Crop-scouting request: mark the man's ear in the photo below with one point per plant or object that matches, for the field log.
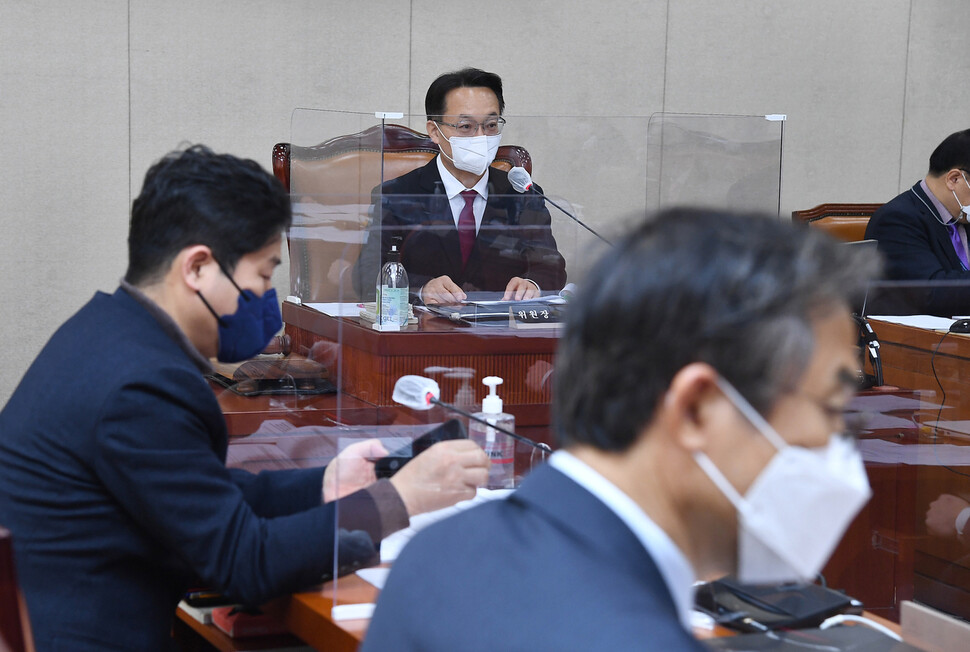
(434, 133)
(691, 405)
(195, 265)
(953, 178)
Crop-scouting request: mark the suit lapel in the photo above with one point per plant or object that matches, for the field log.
(941, 232)
(444, 221)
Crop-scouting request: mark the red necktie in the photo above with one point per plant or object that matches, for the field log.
(466, 226)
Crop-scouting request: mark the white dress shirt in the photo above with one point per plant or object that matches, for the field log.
(454, 188)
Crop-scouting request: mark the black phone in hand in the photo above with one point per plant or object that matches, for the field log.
(392, 463)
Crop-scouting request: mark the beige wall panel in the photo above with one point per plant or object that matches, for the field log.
(937, 83)
(64, 130)
(835, 68)
(229, 73)
(555, 57)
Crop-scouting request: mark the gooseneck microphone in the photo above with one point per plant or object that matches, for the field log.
(521, 180)
(420, 393)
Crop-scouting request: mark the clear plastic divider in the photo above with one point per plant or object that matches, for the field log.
(913, 423)
(366, 192)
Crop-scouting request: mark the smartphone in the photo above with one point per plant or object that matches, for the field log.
(392, 463)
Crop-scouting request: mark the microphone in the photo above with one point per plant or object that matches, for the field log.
(420, 393)
(521, 180)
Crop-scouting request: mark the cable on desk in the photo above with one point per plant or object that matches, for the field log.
(939, 412)
(842, 618)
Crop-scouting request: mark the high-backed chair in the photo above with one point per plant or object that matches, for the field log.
(843, 221)
(344, 170)
(14, 625)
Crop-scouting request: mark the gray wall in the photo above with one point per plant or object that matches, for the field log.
(92, 92)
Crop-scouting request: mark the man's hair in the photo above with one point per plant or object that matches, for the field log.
(738, 292)
(194, 197)
(953, 152)
(434, 101)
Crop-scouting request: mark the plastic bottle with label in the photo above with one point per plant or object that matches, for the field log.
(392, 294)
(499, 447)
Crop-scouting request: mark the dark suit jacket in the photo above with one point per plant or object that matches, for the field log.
(550, 568)
(917, 247)
(113, 483)
(515, 237)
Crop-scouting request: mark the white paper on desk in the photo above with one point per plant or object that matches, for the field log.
(881, 421)
(880, 451)
(551, 299)
(918, 321)
(375, 576)
(336, 309)
(392, 546)
(874, 403)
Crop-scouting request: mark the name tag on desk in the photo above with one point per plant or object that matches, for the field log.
(536, 315)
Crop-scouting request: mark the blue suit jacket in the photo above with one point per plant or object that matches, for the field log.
(515, 237)
(550, 568)
(917, 247)
(113, 483)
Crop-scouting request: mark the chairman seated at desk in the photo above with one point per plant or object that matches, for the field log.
(459, 225)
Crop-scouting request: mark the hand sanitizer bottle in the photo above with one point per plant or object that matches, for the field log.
(499, 447)
(392, 295)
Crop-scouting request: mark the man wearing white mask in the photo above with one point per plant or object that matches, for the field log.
(923, 231)
(459, 225)
(698, 396)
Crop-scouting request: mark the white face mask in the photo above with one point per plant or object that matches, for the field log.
(965, 217)
(799, 506)
(472, 153)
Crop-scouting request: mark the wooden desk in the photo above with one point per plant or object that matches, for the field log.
(371, 361)
(887, 555)
(308, 616)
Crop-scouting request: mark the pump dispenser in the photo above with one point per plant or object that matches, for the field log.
(499, 447)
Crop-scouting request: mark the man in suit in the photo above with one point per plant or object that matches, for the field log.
(457, 223)
(112, 448)
(923, 232)
(704, 365)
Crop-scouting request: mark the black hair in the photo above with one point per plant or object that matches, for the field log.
(195, 196)
(434, 101)
(737, 291)
(953, 152)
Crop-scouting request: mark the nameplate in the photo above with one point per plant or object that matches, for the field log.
(535, 315)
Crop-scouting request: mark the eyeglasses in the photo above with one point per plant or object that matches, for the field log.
(850, 424)
(491, 126)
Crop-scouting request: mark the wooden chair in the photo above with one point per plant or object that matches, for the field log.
(843, 221)
(344, 170)
(15, 633)
(335, 166)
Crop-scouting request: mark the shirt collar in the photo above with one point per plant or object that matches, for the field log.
(673, 565)
(453, 186)
(937, 204)
(169, 326)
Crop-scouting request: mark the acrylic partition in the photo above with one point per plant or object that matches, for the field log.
(366, 548)
(351, 207)
(913, 420)
(596, 173)
(728, 162)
